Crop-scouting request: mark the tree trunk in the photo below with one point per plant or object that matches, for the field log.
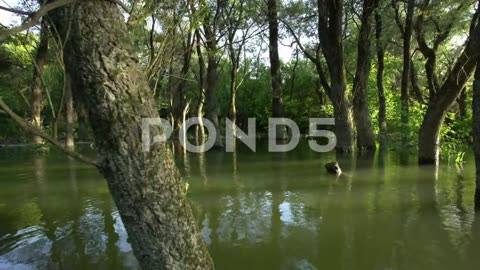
(382, 101)
(330, 33)
(429, 136)
(145, 186)
(211, 104)
(40, 61)
(407, 38)
(200, 131)
(365, 137)
(476, 132)
(342, 114)
(277, 110)
(82, 120)
(233, 92)
(179, 97)
(462, 104)
(69, 141)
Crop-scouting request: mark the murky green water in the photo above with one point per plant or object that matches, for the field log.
(256, 211)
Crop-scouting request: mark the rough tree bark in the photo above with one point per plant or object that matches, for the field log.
(476, 132)
(363, 122)
(145, 186)
(445, 96)
(382, 106)
(277, 103)
(38, 67)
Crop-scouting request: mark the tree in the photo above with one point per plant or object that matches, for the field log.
(38, 67)
(382, 107)
(406, 29)
(277, 110)
(145, 186)
(200, 131)
(329, 39)
(446, 95)
(69, 140)
(238, 32)
(476, 131)
(361, 113)
(211, 29)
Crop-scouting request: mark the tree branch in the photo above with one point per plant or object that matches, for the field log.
(17, 11)
(32, 130)
(34, 18)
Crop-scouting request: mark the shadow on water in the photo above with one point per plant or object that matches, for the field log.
(255, 211)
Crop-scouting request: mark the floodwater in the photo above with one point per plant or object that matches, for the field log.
(255, 210)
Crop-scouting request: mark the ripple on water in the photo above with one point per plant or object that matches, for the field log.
(29, 248)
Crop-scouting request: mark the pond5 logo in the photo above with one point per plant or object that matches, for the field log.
(277, 127)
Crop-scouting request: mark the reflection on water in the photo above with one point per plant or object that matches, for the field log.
(255, 211)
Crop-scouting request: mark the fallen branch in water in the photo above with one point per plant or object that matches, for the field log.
(35, 131)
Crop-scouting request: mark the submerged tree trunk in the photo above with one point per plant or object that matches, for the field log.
(382, 101)
(365, 137)
(69, 140)
(145, 186)
(38, 66)
(476, 132)
(277, 110)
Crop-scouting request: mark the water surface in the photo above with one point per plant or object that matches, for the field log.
(255, 211)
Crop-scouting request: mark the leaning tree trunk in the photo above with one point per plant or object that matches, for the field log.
(145, 186)
(365, 137)
(429, 136)
(38, 67)
(476, 131)
(277, 110)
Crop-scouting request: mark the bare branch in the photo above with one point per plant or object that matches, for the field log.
(34, 18)
(17, 11)
(32, 130)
